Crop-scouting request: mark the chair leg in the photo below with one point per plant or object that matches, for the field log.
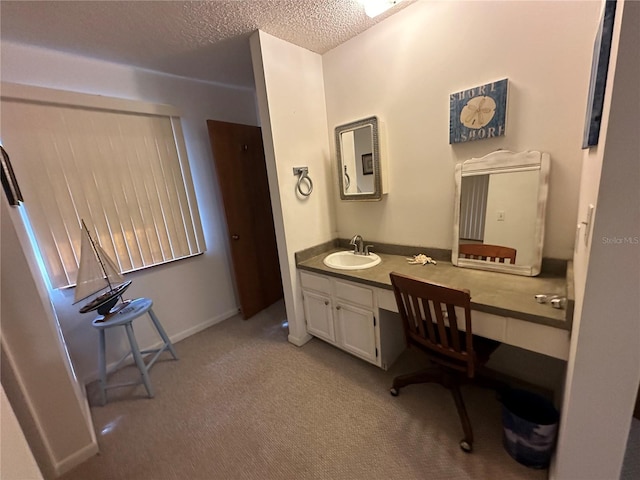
(467, 442)
(138, 358)
(432, 375)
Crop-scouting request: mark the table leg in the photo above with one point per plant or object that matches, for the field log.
(102, 368)
(162, 333)
(138, 358)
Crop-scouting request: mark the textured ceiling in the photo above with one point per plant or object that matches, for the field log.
(207, 40)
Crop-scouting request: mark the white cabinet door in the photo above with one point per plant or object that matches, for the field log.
(356, 331)
(317, 311)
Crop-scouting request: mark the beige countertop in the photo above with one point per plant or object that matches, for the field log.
(491, 292)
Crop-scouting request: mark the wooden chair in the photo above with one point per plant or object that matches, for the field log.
(429, 318)
(490, 253)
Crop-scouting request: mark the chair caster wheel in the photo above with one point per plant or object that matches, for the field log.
(394, 391)
(466, 446)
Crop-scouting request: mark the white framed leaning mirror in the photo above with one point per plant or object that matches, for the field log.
(499, 214)
(358, 159)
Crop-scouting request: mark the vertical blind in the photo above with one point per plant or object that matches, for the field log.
(473, 206)
(119, 165)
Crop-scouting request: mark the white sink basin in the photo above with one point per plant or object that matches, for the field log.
(348, 260)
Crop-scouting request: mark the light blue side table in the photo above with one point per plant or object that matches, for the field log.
(124, 318)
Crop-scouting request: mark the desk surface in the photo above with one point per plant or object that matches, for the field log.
(492, 292)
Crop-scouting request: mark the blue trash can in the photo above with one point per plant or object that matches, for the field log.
(530, 426)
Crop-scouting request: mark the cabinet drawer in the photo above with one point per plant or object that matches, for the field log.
(314, 282)
(354, 294)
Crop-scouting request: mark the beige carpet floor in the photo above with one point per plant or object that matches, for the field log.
(243, 403)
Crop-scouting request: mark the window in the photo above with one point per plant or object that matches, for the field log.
(120, 165)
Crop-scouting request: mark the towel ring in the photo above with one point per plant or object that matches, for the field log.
(347, 179)
(303, 174)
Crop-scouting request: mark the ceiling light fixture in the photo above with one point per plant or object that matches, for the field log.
(374, 8)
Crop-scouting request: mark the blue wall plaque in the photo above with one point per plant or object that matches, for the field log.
(478, 113)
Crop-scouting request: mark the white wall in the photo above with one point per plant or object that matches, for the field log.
(16, 460)
(189, 294)
(36, 373)
(604, 363)
(291, 101)
(405, 68)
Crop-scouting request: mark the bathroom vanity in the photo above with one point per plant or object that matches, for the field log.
(356, 310)
(500, 206)
(346, 314)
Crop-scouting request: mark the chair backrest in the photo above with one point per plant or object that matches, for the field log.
(430, 322)
(490, 253)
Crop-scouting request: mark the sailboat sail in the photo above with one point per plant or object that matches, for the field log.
(110, 267)
(91, 275)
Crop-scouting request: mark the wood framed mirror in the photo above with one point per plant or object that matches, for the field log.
(500, 211)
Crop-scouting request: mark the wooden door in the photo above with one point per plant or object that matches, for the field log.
(242, 175)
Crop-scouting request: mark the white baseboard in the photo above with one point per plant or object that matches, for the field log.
(76, 458)
(299, 341)
(198, 328)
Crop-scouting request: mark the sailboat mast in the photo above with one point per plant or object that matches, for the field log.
(95, 250)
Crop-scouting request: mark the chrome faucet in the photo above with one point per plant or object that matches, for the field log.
(357, 242)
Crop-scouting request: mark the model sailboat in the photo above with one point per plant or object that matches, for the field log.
(97, 271)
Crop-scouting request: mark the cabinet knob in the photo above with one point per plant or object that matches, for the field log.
(235, 237)
(338, 307)
(326, 302)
